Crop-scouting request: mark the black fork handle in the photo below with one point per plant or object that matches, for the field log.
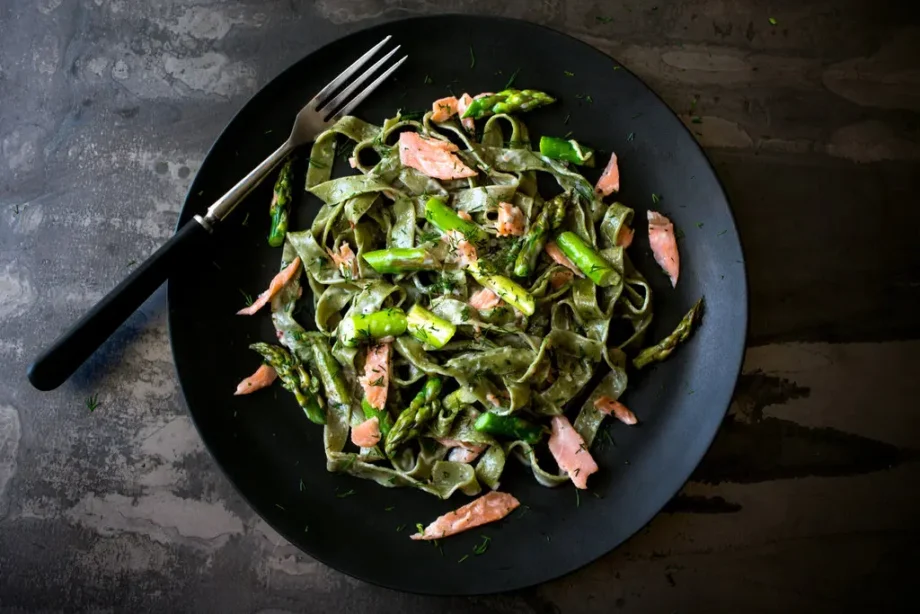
(60, 360)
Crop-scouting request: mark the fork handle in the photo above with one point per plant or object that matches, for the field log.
(71, 349)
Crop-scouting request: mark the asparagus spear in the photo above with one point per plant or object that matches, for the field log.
(568, 150)
(429, 328)
(507, 290)
(401, 260)
(360, 327)
(663, 348)
(410, 422)
(535, 238)
(294, 377)
(329, 371)
(511, 427)
(446, 219)
(281, 204)
(507, 101)
(587, 260)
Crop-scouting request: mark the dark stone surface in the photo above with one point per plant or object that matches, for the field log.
(107, 108)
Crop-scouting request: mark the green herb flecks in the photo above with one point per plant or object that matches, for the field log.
(92, 402)
(428, 80)
(482, 547)
(347, 493)
(247, 297)
(463, 558)
(472, 58)
(630, 137)
(655, 199)
(696, 119)
(568, 73)
(603, 19)
(511, 80)
(773, 21)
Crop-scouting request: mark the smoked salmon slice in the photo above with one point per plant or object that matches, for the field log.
(510, 220)
(366, 434)
(485, 299)
(465, 101)
(559, 278)
(443, 109)
(434, 158)
(570, 452)
(609, 181)
(278, 282)
(554, 252)
(664, 244)
(262, 378)
(376, 378)
(487, 508)
(461, 251)
(616, 409)
(346, 261)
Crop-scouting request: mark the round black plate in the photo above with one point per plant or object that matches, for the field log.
(274, 455)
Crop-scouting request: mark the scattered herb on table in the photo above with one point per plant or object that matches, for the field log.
(92, 402)
(603, 19)
(696, 119)
(630, 137)
(428, 80)
(655, 198)
(773, 21)
(568, 73)
(481, 548)
(347, 493)
(472, 58)
(511, 80)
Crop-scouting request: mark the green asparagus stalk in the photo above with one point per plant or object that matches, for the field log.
(384, 419)
(446, 219)
(410, 422)
(536, 236)
(401, 260)
(330, 372)
(568, 150)
(507, 290)
(587, 260)
(507, 101)
(511, 427)
(663, 348)
(429, 328)
(281, 205)
(365, 327)
(294, 378)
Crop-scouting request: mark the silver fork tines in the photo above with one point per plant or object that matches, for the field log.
(311, 120)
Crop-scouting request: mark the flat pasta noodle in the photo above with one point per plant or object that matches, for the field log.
(489, 377)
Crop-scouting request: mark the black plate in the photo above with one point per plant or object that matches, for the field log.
(274, 456)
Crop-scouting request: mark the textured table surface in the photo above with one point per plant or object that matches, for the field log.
(808, 500)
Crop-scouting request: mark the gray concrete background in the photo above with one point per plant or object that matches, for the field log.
(808, 499)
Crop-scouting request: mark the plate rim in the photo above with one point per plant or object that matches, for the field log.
(738, 351)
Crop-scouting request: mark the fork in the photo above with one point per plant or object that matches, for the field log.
(62, 358)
